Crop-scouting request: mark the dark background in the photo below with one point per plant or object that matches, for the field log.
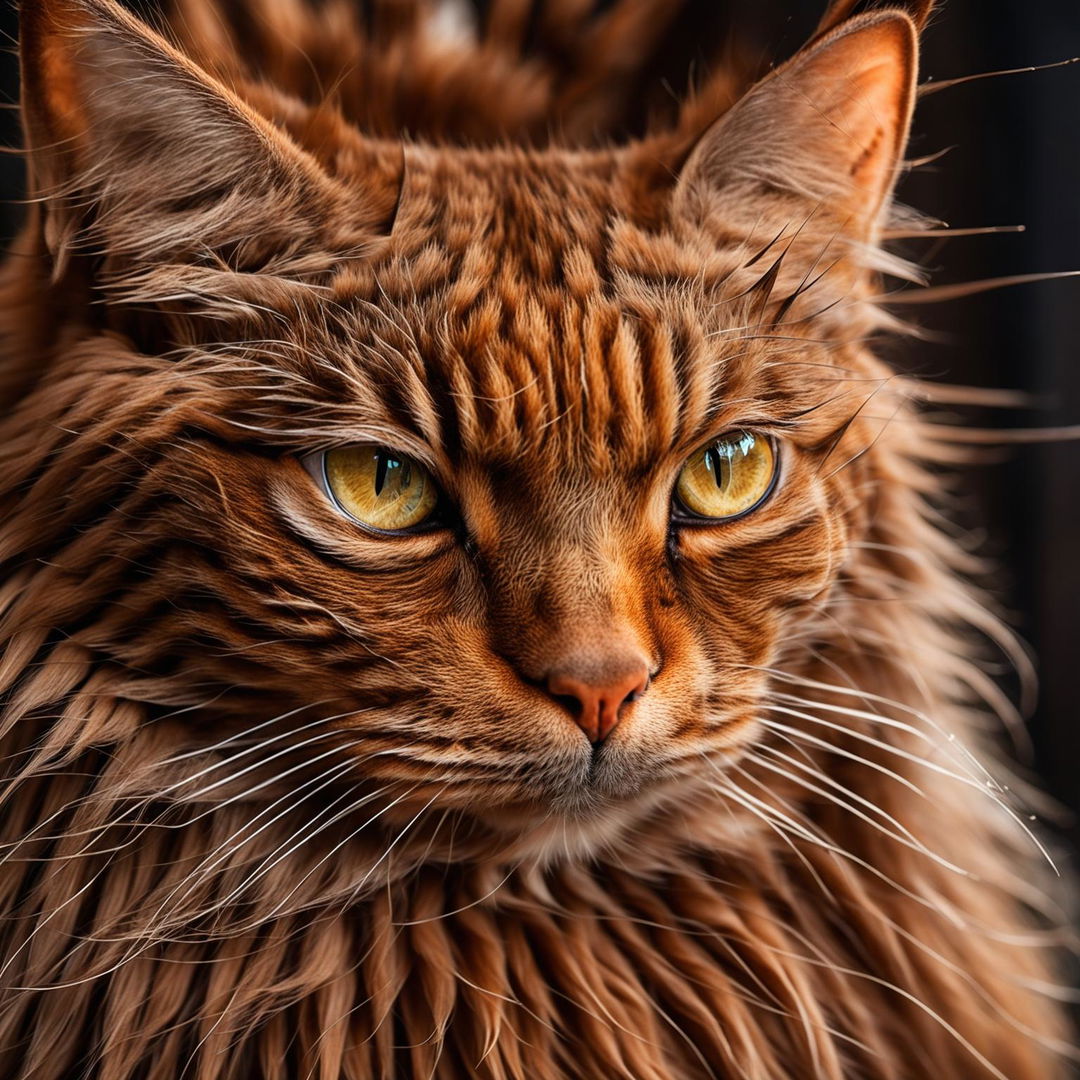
(1015, 159)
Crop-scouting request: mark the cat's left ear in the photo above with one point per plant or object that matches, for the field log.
(824, 133)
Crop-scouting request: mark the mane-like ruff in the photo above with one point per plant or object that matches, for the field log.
(190, 892)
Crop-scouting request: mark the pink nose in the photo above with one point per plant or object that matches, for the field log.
(599, 691)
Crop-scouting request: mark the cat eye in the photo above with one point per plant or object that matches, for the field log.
(728, 477)
(379, 487)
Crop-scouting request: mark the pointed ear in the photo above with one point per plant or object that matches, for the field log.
(141, 156)
(829, 128)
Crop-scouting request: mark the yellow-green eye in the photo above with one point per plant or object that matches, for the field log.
(380, 487)
(728, 477)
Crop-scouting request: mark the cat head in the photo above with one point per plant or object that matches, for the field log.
(510, 474)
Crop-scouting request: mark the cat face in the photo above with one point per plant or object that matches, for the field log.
(554, 428)
(549, 356)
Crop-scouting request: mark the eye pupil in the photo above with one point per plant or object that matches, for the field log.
(719, 464)
(397, 470)
(382, 462)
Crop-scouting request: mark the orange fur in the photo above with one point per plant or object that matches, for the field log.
(284, 798)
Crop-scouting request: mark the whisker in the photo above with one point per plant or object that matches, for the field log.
(899, 832)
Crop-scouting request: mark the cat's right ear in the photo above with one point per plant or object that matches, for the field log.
(139, 156)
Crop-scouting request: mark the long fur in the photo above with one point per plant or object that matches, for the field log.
(277, 801)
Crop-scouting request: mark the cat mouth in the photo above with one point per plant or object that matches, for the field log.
(607, 775)
(596, 759)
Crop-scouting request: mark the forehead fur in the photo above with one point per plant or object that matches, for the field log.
(523, 300)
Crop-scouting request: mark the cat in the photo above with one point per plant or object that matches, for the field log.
(474, 604)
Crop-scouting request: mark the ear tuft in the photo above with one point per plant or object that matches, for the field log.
(829, 128)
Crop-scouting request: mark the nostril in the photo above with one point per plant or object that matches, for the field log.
(570, 702)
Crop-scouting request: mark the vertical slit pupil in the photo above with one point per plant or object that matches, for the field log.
(385, 463)
(720, 465)
(382, 462)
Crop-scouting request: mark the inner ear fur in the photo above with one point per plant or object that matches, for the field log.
(138, 153)
(829, 128)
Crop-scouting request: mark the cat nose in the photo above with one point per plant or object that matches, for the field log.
(599, 690)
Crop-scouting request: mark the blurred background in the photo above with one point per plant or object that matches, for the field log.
(1013, 159)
